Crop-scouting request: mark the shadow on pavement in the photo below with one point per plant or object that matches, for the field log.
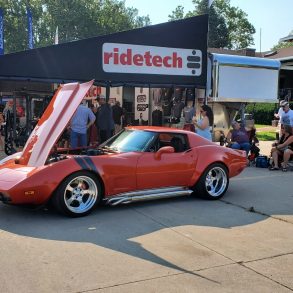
(115, 227)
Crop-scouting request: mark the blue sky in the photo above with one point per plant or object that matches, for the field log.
(274, 18)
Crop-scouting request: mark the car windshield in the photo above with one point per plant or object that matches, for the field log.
(130, 141)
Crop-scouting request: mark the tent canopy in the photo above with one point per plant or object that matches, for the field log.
(167, 54)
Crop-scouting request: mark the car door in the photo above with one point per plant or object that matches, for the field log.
(171, 169)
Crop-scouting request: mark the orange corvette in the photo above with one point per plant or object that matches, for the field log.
(139, 163)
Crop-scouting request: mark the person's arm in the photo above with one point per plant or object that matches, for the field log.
(203, 125)
(287, 142)
(229, 138)
(92, 119)
(291, 118)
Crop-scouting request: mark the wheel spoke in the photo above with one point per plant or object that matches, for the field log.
(81, 194)
(69, 188)
(70, 200)
(216, 181)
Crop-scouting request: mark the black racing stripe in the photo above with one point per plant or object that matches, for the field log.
(90, 163)
(81, 163)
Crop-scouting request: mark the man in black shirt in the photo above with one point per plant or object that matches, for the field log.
(117, 116)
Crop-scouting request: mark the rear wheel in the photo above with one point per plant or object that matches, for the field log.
(213, 183)
(78, 194)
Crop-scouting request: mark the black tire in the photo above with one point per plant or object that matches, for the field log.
(78, 194)
(213, 183)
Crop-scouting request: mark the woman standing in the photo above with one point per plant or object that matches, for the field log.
(202, 126)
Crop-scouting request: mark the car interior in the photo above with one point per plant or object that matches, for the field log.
(177, 141)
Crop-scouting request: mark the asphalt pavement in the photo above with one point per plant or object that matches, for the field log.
(242, 243)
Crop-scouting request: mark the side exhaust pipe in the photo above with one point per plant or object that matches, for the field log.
(146, 195)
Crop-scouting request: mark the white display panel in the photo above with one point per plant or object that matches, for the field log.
(247, 84)
(141, 103)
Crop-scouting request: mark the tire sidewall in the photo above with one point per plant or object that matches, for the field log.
(58, 197)
(200, 188)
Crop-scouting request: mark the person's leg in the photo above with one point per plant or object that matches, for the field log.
(246, 147)
(235, 146)
(117, 128)
(103, 135)
(73, 139)
(286, 157)
(1, 144)
(109, 133)
(275, 155)
(82, 139)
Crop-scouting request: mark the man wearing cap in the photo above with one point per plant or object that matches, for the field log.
(238, 137)
(80, 122)
(279, 117)
(287, 115)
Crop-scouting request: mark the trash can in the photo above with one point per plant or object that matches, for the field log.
(275, 123)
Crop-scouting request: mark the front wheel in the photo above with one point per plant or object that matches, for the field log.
(213, 183)
(78, 194)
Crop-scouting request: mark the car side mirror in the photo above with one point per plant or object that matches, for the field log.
(164, 150)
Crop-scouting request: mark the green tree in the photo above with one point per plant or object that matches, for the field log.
(75, 19)
(281, 44)
(228, 25)
(178, 13)
(240, 29)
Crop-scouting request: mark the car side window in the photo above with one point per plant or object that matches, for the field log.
(155, 146)
(177, 141)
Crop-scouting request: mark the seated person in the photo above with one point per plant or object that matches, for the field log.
(238, 138)
(177, 144)
(283, 149)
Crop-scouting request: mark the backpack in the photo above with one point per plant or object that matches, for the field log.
(262, 162)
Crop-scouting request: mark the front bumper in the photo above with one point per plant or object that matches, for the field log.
(4, 198)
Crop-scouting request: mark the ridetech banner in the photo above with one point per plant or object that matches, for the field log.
(172, 54)
(1, 32)
(30, 29)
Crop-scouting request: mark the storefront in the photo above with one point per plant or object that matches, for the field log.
(159, 68)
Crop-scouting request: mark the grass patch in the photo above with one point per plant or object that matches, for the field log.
(266, 136)
(261, 125)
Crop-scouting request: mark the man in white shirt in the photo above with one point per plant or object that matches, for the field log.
(287, 116)
(279, 117)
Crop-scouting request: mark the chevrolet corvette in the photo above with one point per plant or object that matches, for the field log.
(137, 164)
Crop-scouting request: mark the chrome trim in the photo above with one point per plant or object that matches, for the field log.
(80, 194)
(215, 90)
(235, 60)
(216, 181)
(148, 194)
(245, 100)
(287, 67)
(249, 66)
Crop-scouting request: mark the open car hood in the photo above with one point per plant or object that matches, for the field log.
(52, 123)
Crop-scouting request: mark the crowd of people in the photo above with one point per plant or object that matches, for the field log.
(282, 150)
(93, 125)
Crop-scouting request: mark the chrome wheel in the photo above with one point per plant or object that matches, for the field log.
(80, 194)
(216, 181)
(213, 183)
